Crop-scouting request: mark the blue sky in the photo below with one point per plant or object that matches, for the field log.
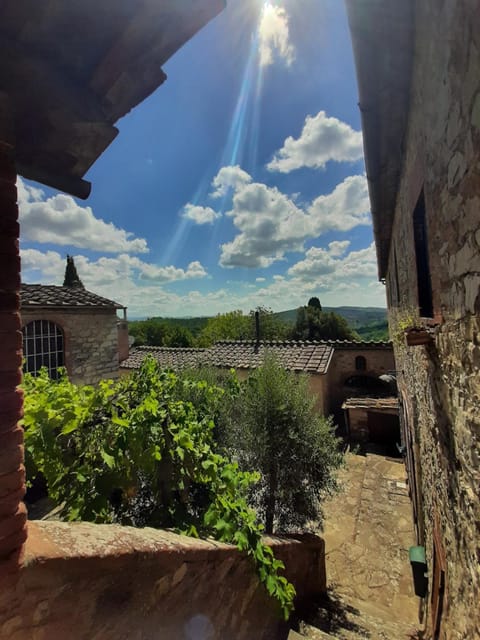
(240, 182)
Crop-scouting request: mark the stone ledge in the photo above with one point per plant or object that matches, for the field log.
(82, 580)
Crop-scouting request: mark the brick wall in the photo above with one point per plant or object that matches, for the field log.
(91, 342)
(441, 382)
(13, 514)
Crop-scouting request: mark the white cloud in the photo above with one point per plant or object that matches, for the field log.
(170, 274)
(269, 224)
(60, 220)
(260, 279)
(338, 247)
(346, 207)
(231, 177)
(322, 139)
(274, 37)
(319, 262)
(200, 215)
(117, 272)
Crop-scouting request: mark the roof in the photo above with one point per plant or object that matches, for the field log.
(55, 297)
(382, 38)
(359, 345)
(308, 357)
(372, 404)
(70, 70)
(168, 357)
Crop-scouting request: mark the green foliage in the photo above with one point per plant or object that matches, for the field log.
(136, 451)
(314, 302)
(159, 333)
(314, 324)
(279, 432)
(377, 331)
(233, 325)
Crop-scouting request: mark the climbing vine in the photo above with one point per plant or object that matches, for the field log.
(135, 451)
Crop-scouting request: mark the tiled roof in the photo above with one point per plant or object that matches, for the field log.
(360, 344)
(371, 403)
(168, 357)
(51, 296)
(310, 357)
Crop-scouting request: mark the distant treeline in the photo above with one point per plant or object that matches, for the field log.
(309, 322)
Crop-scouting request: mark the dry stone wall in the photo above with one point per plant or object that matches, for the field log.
(442, 380)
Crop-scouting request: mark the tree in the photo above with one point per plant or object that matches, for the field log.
(233, 325)
(271, 327)
(278, 431)
(314, 324)
(315, 302)
(72, 278)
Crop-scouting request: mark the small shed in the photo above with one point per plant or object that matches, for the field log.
(373, 420)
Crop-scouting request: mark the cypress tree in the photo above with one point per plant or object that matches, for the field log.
(71, 278)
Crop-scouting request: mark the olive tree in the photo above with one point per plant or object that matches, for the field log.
(278, 431)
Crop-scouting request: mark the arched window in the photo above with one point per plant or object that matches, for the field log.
(360, 363)
(43, 347)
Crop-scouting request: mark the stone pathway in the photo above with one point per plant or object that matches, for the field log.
(368, 531)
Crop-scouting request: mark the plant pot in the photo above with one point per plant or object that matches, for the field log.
(415, 337)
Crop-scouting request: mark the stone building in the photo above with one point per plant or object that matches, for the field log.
(418, 67)
(72, 328)
(337, 369)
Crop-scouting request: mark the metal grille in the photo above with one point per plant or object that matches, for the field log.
(43, 347)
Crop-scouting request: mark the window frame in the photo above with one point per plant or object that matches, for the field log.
(43, 346)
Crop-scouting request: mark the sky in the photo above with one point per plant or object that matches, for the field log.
(239, 183)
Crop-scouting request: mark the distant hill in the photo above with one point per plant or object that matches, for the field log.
(369, 322)
(355, 316)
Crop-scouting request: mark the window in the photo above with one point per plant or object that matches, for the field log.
(360, 363)
(43, 347)
(421, 253)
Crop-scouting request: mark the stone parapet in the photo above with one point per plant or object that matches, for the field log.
(83, 580)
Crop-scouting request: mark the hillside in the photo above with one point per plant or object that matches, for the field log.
(369, 322)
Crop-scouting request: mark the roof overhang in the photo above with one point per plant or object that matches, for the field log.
(70, 70)
(382, 38)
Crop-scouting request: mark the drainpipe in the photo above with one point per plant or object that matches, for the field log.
(13, 514)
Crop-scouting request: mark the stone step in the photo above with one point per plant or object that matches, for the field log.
(350, 619)
(321, 635)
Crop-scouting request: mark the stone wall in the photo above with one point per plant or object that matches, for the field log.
(106, 582)
(441, 382)
(90, 339)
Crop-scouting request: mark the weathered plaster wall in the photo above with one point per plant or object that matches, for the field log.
(442, 381)
(105, 582)
(342, 366)
(91, 342)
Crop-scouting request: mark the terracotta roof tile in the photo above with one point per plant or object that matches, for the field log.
(295, 356)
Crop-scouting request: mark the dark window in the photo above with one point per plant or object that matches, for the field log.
(360, 363)
(421, 253)
(43, 347)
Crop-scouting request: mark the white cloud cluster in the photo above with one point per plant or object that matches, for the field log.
(322, 140)
(61, 220)
(321, 262)
(274, 36)
(269, 224)
(200, 215)
(230, 177)
(118, 272)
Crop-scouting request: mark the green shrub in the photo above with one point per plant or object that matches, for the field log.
(131, 451)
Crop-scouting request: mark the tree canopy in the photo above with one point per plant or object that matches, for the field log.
(71, 278)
